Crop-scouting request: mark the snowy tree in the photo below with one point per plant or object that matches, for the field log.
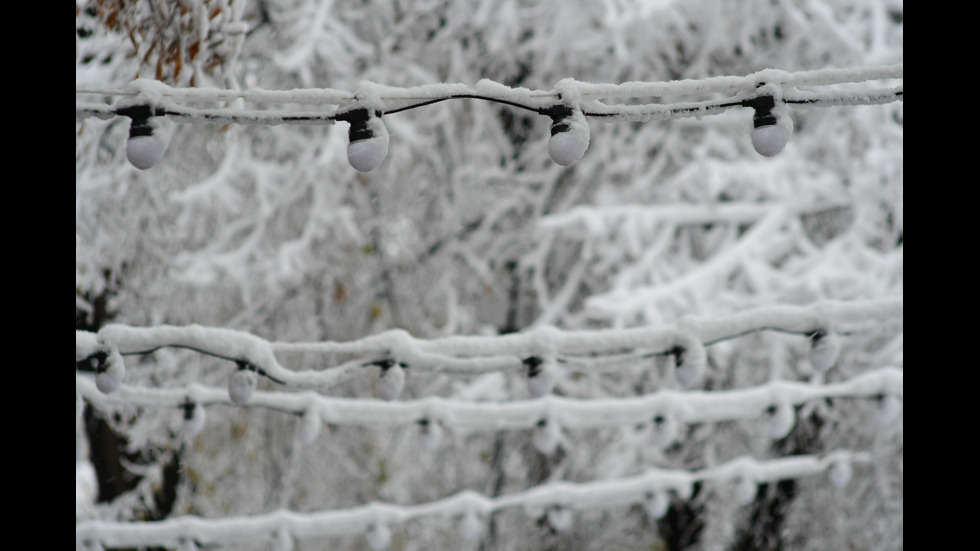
(673, 342)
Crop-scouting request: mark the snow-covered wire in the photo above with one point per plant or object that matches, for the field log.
(575, 496)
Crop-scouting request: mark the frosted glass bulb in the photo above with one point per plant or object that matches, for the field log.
(781, 419)
(391, 381)
(888, 409)
(470, 527)
(824, 349)
(769, 140)
(145, 152)
(664, 431)
(560, 519)
(309, 427)
(690, 363)
(379, 537)
(546, 436)
(745, 490)
(840, 473)
(540, 376)
(242, 385)
(658, 502)
(569, 138)
(368, 144)
(111, 372)
(430, 434)
(194, 419)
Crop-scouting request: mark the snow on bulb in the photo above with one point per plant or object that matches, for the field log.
(745, 490)
(657, 504)
(430, 434)
(824, 349)
(379, 537)
(368, 145)
(540, 376)
(242, 385)
(148, 140)
(194, 419)
(391, 381)
(546, 436)
(664, 431)
(570, 137)
(111, 372)
(560, 519)
(470, 526)
(840, 473)
(780, 419)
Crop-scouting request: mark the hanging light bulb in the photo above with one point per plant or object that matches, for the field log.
(664, 431)
(657, 503)
(546, 436)
(194, 418)
(430, 434)
(689, 363)
(470, 526)
(379, 536)
(745, 490)
(824, 349)
(282, 541)
(560, 518)
(148, 137)
(569, 135)
(540, 375)
(780, 419)
(771, 126)
(243, 383)
(840, 473)
(309, 426)
(391, 380)
(889, 408)
(110, 370)
(368, 137)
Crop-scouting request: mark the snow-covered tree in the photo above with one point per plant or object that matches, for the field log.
(673, 343)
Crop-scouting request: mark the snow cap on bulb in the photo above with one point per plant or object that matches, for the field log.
(772, 125)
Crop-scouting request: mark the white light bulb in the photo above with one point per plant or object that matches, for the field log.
(745, 490)
(379, 537)
(546, 436)
(470, 526)
(664, 432)
(194, 419)
(309, 427)
(657, 504)
(282, 541)
(148, 140)
(560, 518)
(780, 420)
(570, 137)
(242, 385)
(540, 376)
(840, 473)
(368, 146)
(391, 381)
(769, 140)
(690, 363)
(824, 350)
(889, 408)
(430, 434)
(111, 372)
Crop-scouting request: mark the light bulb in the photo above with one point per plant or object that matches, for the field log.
(689, 364)
(560, 518)
(470, 526)
(242, 385)
(379, 536)
(309, 427)
(194, 418)
(569, 136)
(546, 436)
(540, 376)
(888, 409)
(840, 473)
(824, 349)
(430, 434)
(391, 380)
(657, 504)
(148, 139)
(110, 372)
(772, 126)
(664, 431)
(780, 419)
(368, 137)
(745, 490)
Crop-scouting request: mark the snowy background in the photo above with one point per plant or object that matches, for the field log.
(469, 251)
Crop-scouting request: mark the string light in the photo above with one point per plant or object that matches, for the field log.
(657, 503)
(110, 370)
(368, 139)
(540, 375)
(378, 536)
(148, 137)
(194, 418)
(391, 380)
(824, 349)
(242, 384)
